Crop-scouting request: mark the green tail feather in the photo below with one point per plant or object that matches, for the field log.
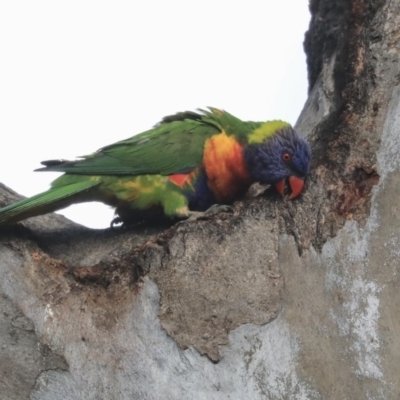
(52, 200)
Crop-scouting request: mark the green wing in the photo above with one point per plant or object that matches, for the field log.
(175, 145)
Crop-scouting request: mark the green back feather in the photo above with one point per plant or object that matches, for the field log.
(168, 148)
(175, 145)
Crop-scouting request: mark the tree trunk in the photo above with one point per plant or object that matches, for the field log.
(279, 300)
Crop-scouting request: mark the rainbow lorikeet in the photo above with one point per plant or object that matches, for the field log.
(185, 164)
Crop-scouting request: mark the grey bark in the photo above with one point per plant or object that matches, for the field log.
(279, 300)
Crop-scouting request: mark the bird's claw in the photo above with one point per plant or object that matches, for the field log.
(218, 208)
(203, 215)
(116, 221)
(124, 224)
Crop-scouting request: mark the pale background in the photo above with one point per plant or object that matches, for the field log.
(78, 75)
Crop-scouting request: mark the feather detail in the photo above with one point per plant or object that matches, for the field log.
(180, 179)
(225, 167)
(266, 130)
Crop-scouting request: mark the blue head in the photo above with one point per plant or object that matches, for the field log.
(281, 156)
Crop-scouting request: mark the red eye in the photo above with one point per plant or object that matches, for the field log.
(286, 157)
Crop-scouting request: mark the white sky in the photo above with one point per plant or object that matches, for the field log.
(78, 75)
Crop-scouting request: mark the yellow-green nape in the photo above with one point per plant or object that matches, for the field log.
(265, 130)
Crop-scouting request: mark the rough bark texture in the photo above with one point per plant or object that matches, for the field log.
(279, 300)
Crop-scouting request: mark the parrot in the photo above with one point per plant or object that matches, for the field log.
(185, 164)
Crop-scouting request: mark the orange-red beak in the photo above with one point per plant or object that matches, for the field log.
(296, 186)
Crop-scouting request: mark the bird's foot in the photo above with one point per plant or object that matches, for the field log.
(218, 208)
(125, 224)
(189, 216)
(116, 221)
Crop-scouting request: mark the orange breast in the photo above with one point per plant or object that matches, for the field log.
(225, 168)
